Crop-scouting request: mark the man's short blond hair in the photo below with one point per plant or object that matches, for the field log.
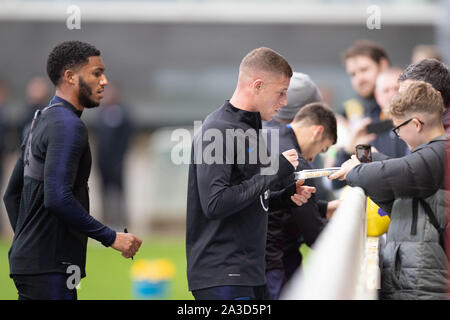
(418, 97)
(266, 60)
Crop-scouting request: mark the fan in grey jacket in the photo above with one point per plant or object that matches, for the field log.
(414, 259)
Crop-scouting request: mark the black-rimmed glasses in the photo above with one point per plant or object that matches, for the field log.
(397, 128)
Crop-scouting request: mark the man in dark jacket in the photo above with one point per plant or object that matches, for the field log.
(289, 226)
(229, 186)
(312, 131)
(412, 191)
(47, 197)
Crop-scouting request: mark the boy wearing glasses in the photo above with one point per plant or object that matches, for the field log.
(433, 72)
(412, 190)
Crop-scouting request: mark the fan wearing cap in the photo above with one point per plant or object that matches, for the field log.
(308, 126)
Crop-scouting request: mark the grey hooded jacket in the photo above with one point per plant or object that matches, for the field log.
(414, 262)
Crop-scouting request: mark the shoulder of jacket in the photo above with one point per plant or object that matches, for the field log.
(437, 145)
(222, 124)
(64, 119)
(62, 114)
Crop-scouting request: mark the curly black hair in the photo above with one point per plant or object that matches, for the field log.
(68, 55)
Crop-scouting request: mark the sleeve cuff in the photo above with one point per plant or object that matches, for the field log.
(352, 176)
(110, 238)
(285, 168)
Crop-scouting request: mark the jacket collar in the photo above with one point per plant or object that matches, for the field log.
(66, 104)
(285, 131)
(443, 137)
(251, 118)
(293, 137)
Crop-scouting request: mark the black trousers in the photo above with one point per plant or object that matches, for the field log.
(230, 293)
(49, 286)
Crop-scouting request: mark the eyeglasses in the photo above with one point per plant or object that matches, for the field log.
(397, 128)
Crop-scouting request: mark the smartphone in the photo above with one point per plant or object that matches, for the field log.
(379, 126)
(364, 153)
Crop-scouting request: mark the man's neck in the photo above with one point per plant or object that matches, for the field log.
(430, 135)
(240, 101)
(300, 133)
(69, 97)
(435, 132)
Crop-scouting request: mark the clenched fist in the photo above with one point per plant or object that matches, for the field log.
(126, 243)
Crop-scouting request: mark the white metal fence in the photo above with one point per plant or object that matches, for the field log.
(343, 263)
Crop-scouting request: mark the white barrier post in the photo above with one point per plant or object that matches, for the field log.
(336, 266)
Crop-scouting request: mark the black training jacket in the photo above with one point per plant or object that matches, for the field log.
(227, 203)
(47, 196)
(289, 225)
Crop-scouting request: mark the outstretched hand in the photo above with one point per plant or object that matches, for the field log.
(345, 169)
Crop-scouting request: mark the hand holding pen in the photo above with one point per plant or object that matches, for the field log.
(127, 243)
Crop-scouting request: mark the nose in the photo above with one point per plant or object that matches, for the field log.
(104, 81)
(359, 80)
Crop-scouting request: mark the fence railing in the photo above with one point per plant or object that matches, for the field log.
(343, 263)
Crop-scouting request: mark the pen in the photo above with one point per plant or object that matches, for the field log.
(126, 231)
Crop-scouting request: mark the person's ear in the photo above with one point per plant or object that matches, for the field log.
(418, 125)
(257, 85)
(318, 132)
(70, 77)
